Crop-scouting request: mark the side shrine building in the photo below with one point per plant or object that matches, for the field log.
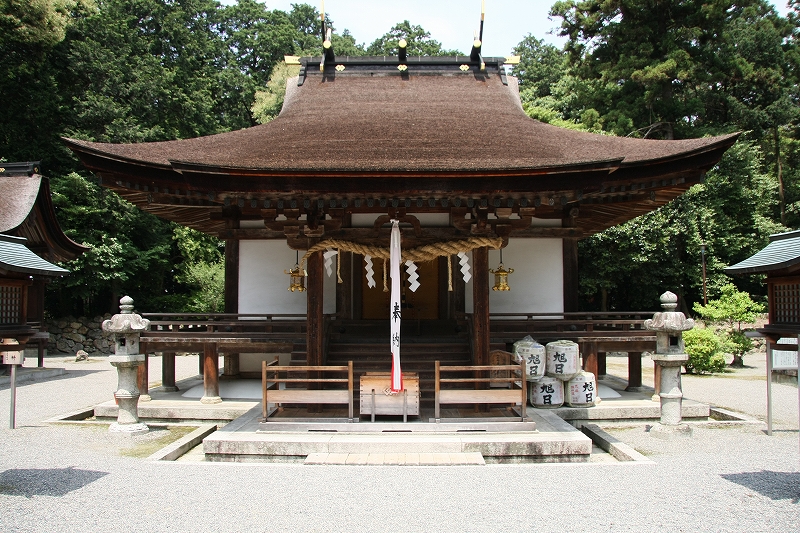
(440, 144)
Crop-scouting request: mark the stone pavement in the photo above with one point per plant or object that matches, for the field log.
(78, 477)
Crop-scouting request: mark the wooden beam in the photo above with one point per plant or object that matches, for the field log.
(372, 237)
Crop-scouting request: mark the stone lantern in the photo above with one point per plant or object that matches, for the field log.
(126, 328)
(670, 356)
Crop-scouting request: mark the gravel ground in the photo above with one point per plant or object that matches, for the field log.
(81, 478)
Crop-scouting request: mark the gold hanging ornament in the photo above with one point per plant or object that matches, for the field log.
(501, 276)
(297, 281)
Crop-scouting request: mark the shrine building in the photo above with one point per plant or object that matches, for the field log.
(441, 144)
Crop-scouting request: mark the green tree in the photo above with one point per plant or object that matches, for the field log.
(306, 20)
(419, 42)
(268, 103)
(129, 252)
(675, 68)
(146, 71)
(30, 31)
(201, 268)
(704, 350)
(731, 310)
(256, 40)
(541, 66)
(628, 266)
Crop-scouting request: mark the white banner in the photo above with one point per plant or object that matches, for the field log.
(396, 311)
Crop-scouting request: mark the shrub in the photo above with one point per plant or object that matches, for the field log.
(731, 310)
(705, 351)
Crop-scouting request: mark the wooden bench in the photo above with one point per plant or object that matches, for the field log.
(272, 393)
(515, 375)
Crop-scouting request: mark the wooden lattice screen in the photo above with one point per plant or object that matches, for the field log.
(785, 303)
(11, 304)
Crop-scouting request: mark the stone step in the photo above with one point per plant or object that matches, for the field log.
(399, 459)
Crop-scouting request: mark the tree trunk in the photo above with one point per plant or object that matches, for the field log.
(779, 173)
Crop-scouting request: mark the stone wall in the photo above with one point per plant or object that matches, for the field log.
(70, 334)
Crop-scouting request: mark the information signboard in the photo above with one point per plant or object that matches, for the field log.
(785, 359)
(13, 358)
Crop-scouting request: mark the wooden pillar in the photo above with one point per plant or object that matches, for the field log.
(230, 365)
(344, 290)
(314, 318)
(142, 378)
(231, 368)
(570, 252)
(458, 296)
(358, 290)
(210, 374)
(634, 371)
(480, 305)
(168, 372)
(590, 359)
(232, 269)
(601, 364)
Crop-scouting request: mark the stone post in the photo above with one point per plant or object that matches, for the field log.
(670, 356)
(126, 328)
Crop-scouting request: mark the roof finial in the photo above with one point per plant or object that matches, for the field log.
(483, 16)
(475, 54)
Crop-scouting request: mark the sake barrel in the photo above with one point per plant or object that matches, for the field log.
(547, 393)
(533, 354)
(581, 390)
(563, 359)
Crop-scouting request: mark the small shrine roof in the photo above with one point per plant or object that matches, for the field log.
(16, 257)
(783, 251)
(26, 210)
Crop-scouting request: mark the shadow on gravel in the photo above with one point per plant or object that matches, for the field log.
(31, 482)
(67, 375)
(773, 485)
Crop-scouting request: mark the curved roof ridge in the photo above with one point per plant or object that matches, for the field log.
(460, 123)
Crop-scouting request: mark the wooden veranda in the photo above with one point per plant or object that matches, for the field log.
(228, 335)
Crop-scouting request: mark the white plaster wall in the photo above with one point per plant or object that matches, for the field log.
(263, 286)
(536, 283)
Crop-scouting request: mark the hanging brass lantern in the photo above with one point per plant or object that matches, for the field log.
(297, 281)
(501, 276)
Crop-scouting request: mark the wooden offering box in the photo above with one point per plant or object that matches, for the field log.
(388, 404)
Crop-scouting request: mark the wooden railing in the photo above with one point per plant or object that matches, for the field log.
(225, 322)
(570, 322)
(471, 395)
(272, 393)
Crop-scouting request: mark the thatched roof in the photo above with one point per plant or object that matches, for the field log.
(434, 129)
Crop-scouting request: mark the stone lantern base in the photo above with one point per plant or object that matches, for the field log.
(661, 431)
(127, 395)
(140, 428)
